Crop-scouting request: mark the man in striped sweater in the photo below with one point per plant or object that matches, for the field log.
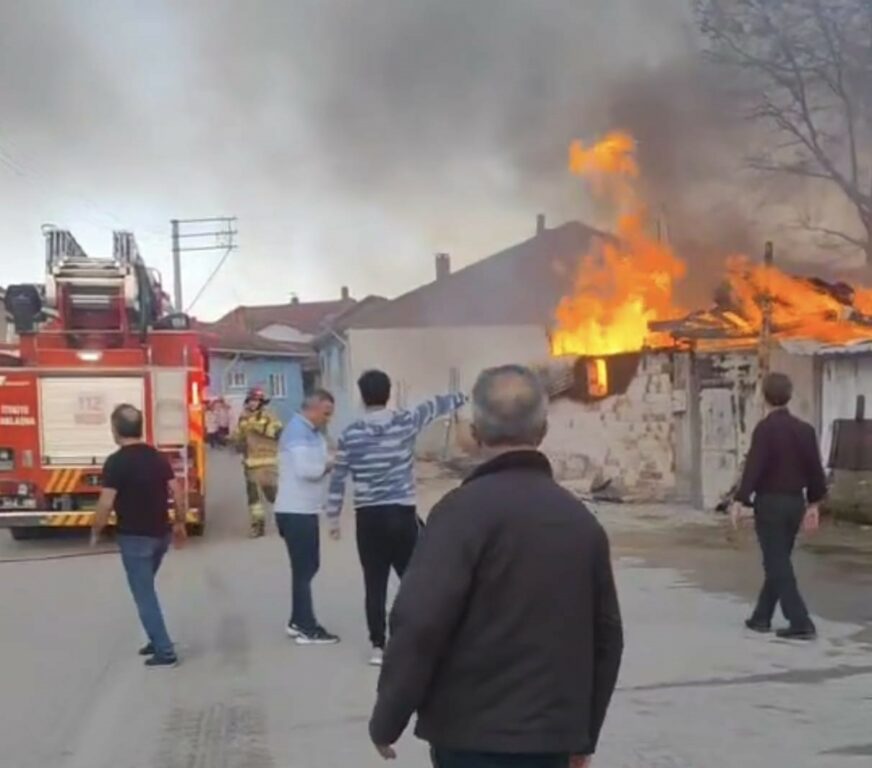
(378, 452)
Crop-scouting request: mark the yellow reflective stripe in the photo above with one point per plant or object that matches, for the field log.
(52, 482)
(265, 461)
(63, 480)
(72, 480)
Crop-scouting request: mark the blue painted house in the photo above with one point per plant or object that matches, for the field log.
(268, 347)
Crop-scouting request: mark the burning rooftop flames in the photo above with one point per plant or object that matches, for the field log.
(623, 296)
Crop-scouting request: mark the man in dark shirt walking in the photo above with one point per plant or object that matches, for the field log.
(506, 634)
(137, 480)
(785, 481)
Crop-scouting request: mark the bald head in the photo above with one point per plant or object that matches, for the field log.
(127, 422)
(510, 407)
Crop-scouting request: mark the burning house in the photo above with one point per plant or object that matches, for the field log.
(650, 400)
(675, 394)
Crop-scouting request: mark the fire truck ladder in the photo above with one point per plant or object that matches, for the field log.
(87, 282)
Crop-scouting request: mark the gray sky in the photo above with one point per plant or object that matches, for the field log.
(352, 139)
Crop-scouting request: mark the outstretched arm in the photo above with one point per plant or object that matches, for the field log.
(441, 405)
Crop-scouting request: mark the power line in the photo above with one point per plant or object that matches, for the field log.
(209, 279)
(10, 158)
(223, 240)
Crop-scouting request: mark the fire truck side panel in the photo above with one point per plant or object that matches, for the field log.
(74, 416)
(169, 405)
(19, 440)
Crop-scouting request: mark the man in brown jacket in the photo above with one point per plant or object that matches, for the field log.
(506, 634)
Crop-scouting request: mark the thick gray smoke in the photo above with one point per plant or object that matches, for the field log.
(353, 139)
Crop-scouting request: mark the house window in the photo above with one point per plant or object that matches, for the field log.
(277, 387)
(236, 378)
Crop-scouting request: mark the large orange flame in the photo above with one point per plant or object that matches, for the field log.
(625, 283)
(799, 309)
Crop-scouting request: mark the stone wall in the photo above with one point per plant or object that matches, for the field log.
(626, 441)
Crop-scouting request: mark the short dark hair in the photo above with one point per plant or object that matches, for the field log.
(127, 421)
(777, 389)
(375, 388)
(318, 396)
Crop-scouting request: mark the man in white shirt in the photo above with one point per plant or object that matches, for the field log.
(304, 466)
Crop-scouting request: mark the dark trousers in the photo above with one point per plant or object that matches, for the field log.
(443, 758)
(777, 520)
(386, 537)
(302, 535)
(142, 557)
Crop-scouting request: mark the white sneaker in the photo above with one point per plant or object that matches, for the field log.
(293, 631)
(377, 657)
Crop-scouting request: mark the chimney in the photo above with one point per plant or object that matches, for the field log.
(295, 299)
(540, 223)
(443, 266)
(346, 294)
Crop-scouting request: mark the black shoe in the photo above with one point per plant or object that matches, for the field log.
(162, 661)
(317, 636)
(757, 626)
(147, 650)
(797, 633)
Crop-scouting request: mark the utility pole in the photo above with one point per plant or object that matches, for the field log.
(177, 267)
(765, 348)
(221, 230)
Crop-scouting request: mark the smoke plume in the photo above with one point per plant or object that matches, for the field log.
(352, 139)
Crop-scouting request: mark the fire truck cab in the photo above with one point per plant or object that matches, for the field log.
(100, 333)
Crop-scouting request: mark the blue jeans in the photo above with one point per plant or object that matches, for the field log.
(302, 535)
(141, 557)
(445, 758)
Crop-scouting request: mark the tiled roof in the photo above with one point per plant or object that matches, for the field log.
(356, 313)
(309, 317)
(518, 286)
(225, 337)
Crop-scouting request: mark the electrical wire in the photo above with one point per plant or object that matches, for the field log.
(39, 179)
(209, 279)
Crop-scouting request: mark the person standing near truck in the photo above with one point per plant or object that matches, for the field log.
(257, 435)
(137, 481)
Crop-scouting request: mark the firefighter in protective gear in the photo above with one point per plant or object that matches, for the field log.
(257, 435)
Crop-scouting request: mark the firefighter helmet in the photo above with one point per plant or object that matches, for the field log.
(256, 394)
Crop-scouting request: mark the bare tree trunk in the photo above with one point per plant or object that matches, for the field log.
(867, 224)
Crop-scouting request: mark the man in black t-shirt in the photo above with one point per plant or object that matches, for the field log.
(137, 480)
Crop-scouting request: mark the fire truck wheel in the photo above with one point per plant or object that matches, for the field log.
(24, 533)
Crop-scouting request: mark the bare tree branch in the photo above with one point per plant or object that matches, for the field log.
(809, 63)
(837, 234)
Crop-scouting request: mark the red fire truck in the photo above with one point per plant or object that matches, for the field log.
(98, 334)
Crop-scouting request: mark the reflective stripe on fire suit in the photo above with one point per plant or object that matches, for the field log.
(264, 424)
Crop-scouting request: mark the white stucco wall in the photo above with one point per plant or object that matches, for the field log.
(427, 361)
(806, 403)
(420, 360)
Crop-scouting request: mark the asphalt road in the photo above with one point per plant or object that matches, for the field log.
(695, 691)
